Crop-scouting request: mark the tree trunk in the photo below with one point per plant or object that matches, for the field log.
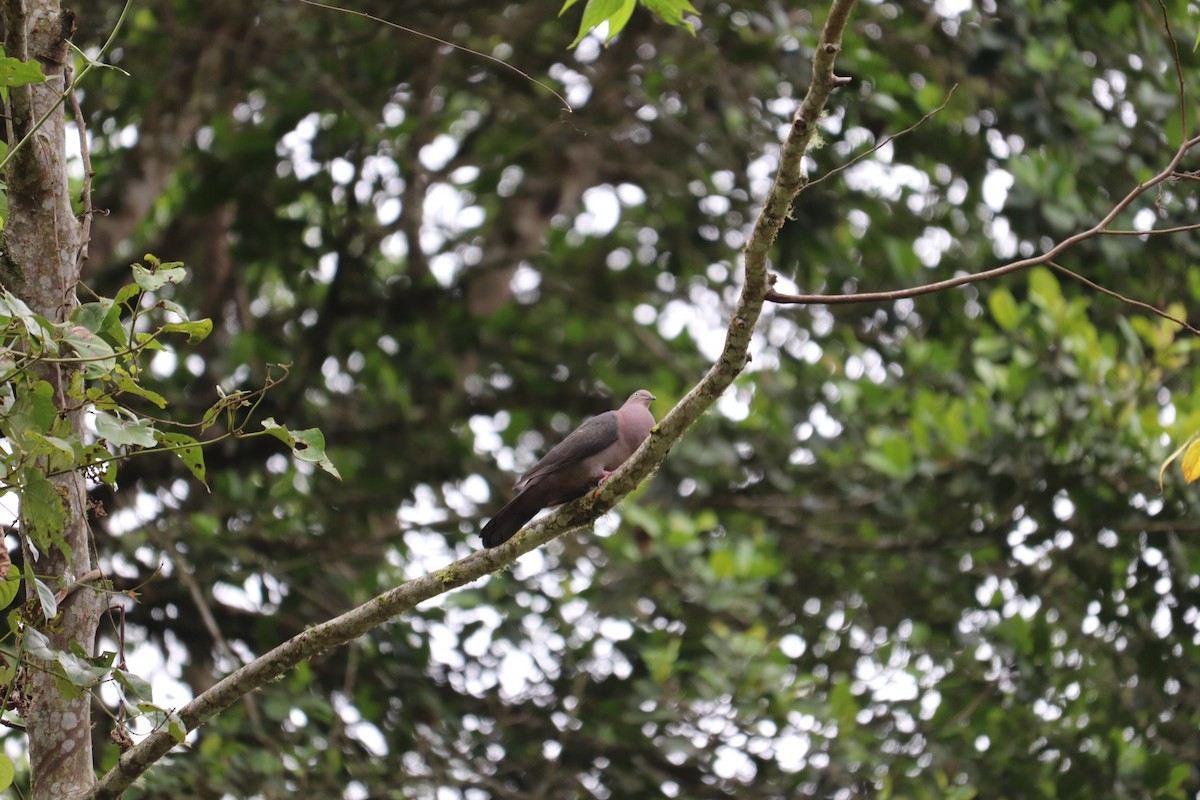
(41, 242)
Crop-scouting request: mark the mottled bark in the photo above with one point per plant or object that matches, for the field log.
(40, 245)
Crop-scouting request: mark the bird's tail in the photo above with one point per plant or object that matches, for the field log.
(511, 519)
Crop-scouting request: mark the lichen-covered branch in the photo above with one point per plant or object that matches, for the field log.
(734, 356)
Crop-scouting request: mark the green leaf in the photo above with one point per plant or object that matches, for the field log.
(104, 660)
(722, 564)
(174, 308)
(129, 386)
(43, 515)
(135, 686)
(189, 452)
(307, 445)
(197, 331)
(1175, 778)
(1044, 289)
(672, 11)
(127, 293)
(93, 316)
(138, 433)
(38, 644)
(153, 280)
(615, 12)
(163, 719)
(46, 598)
(310, 446)
(80, 671)
(37, 327)
(96, 456)
(90, 346)
(15, 72)
(661, 660)
(1004, 308)
(893, 456)
(278, 431)
(7, 772)
(10, 586)
(842, 702)
(33, 409)
(175, 727)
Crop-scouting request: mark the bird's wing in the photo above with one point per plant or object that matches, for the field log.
(590, 438)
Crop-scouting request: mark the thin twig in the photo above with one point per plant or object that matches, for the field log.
(1122, 298)
(83, 580)
(85, 193)
(1183, 122)
(1153, 232)
(68, 90)
(996, 272)
(433, 38)
(885, 141)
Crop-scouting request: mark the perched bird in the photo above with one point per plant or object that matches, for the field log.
(578, 463)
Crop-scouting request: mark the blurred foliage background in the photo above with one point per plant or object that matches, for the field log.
(919, 551)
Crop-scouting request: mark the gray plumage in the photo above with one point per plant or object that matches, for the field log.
(575, 465)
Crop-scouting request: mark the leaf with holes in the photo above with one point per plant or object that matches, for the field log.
(153, 280)
(189, 452)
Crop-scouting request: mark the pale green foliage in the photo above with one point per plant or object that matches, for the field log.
(616, 14)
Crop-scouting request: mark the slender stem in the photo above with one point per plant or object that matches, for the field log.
(996, 272)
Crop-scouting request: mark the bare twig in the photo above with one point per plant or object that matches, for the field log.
(996, 272)
(1183, 123)
(885, 140)
(85, 192)
(431, 37)
(1154, 232)
(1123, 298)
(83, 580)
